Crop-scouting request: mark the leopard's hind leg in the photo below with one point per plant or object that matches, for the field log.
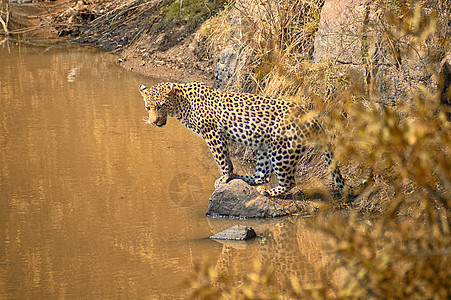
(284, 163)
(337, 178)
(262, 170)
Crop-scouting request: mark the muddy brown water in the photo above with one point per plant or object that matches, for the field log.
(94, 203)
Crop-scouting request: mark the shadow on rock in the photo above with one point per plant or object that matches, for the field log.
(240, 200)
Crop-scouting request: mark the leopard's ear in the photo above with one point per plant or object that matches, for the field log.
(143, 89)
(171, 88)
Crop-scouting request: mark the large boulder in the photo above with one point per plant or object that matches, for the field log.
(240, 200)
(445, 84)
(364, 37)
(231, 59)
(341, 26)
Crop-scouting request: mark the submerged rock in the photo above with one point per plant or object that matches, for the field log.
(236, 233)
(240, 200)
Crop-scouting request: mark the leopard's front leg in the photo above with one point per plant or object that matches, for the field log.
(217, 144)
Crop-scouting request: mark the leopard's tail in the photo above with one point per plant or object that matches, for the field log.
(346, 192)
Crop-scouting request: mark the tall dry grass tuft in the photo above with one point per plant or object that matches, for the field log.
(278, 30)
(280, 34)
(272, 36)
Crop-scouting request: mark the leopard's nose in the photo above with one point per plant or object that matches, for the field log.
(142, 87)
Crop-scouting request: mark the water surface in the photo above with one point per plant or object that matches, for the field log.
(94, 203)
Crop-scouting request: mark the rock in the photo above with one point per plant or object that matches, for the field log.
(355, 34)
(445, 84)
(240, 200)
(341, 22)
(236, 233)
(226, 67)
(231, 72)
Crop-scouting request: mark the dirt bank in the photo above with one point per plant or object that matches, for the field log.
(146, 37)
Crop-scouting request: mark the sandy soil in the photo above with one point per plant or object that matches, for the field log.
(174, 64)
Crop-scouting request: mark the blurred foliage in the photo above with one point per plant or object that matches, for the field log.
(208, 283)
(404, 251)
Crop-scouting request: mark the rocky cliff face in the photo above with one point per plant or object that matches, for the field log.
(364, 38)
(358, 34)
(341, 31)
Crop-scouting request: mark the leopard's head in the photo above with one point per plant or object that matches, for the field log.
(159, 102)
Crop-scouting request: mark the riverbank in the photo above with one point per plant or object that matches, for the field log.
(144, 37)
(135, 30)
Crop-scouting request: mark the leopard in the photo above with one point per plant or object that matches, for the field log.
(279, 130)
